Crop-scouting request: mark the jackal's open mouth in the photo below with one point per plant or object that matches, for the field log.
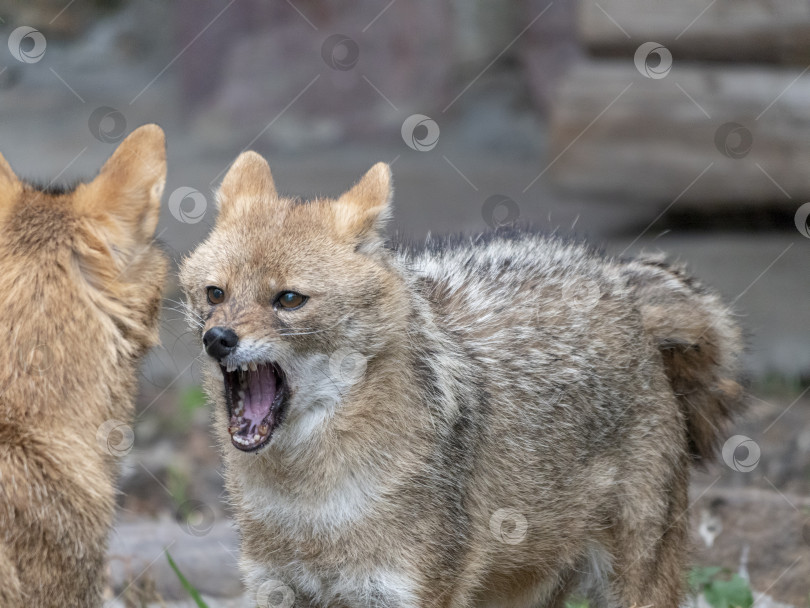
(255, 398)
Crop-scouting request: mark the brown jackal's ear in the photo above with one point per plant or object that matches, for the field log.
(9, 184)
(7, 176)
(125, 197)
(364, 209)
(249, 178)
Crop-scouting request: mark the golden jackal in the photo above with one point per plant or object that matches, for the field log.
(490, 421)
(82, 286)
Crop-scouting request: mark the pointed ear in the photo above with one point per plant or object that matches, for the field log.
(129, 186)
(248, 178)
(9, 184)
(364, 209)
(7, 176)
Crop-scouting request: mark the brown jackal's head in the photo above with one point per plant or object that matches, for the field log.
(82, 284)
(292, 300)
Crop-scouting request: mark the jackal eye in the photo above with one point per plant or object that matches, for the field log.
(215, 295)
(290, 300)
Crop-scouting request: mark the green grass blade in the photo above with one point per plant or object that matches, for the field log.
(195, 595)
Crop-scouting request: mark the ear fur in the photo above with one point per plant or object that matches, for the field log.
(9, 184)
(7, 176)
(248, 178)
(129, 187)
(365, 208)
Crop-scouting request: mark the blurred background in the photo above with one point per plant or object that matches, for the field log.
(640, 125)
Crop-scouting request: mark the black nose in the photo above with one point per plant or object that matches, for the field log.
(219, 342)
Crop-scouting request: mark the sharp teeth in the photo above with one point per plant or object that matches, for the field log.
(241, 394)
(229, 368)
(244, 367)
(263, 429)
(253, 366)
(247, 441)
(240, 408)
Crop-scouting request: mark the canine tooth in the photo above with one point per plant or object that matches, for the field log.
(263, 429)
(253, 366)
(229, 368)
(233, 428)
(244, 367)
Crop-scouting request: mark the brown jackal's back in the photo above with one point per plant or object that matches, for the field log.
(78, 309)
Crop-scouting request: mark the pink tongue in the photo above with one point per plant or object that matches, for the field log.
(259, 395)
